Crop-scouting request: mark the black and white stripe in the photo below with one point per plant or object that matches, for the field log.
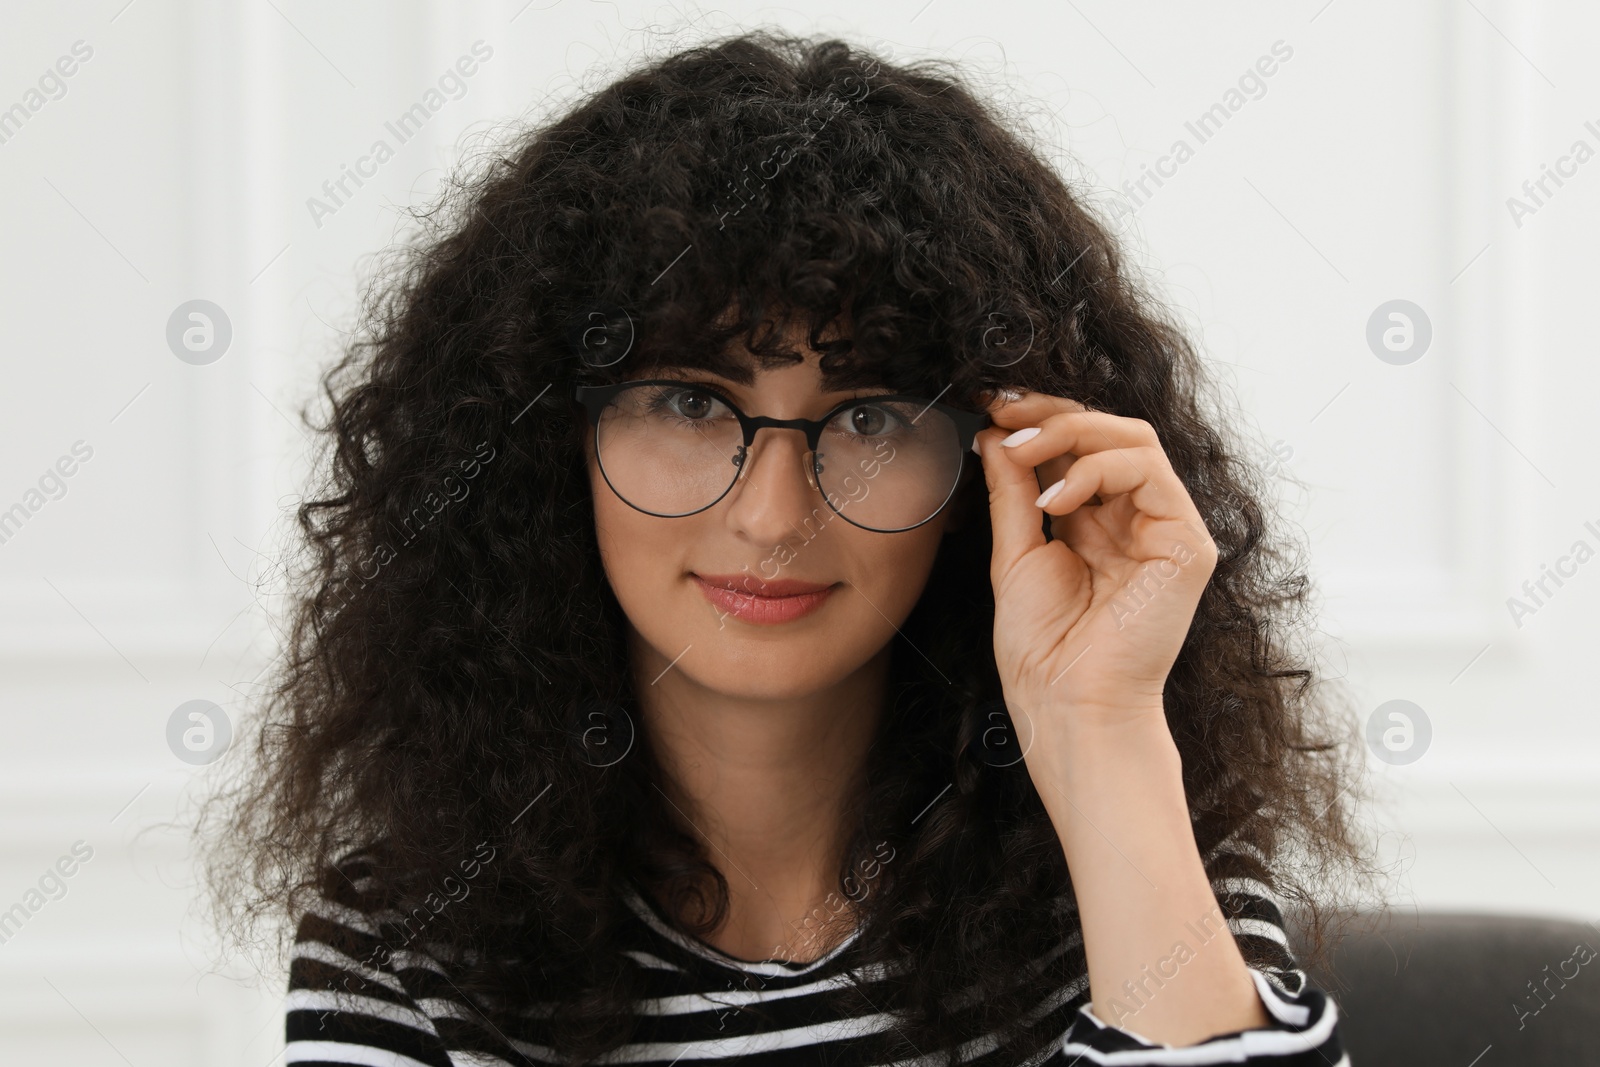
(701, 1006)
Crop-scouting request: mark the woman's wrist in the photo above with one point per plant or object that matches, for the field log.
(1075, 739)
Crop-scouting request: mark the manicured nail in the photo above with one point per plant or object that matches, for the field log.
(1050, 493)
(975, 449)
(1020, 436)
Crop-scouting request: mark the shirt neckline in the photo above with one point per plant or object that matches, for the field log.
(647, 910)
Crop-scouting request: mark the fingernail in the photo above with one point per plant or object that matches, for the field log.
(975, 449)
(1050, 493)
(1020, 436)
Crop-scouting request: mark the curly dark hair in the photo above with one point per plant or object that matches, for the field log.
(455, 644)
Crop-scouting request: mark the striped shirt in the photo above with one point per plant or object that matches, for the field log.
(343, 1007)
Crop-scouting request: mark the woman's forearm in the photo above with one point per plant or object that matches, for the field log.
(1162, 961)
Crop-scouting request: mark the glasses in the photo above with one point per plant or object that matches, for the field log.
(671, 448)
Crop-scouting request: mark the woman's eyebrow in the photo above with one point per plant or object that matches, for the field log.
(730, 385)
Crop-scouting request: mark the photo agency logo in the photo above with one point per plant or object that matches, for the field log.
(1399, 332)
(1277, 464)
(51, 485)
(1537, 592)
(1251, 85)
(1007, 336)
(452, 85)
(1002, 742)
(601, 336)
(1153, 576)
(199, 732)
(1582, 953)
(51, 885)
(750, 188)
(856, 885)
(199, 332)
(50, 87)
(397, 934)
(1399, 732)
(1140, 994)
(452, 489)
(604, 734)
(855, 491)
(1537, 192)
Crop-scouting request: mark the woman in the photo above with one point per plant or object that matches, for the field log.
(665, 690)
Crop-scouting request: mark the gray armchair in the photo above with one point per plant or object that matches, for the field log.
(1464, 990)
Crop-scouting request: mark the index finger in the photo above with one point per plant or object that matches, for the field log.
(1030, 408)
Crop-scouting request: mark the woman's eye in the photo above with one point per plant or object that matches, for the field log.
(690, 405)
(869, 420)
(693, 403)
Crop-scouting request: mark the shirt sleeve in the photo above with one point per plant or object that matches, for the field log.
(1304, 1026)
(347, 1003)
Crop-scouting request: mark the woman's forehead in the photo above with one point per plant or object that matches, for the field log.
(791, 384)
(737, 365)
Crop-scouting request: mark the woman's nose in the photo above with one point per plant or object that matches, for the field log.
(776, 481)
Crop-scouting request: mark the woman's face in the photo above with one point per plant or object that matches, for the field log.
(772, 526)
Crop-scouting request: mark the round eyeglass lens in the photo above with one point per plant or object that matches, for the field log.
(668, 450)
(889, 465)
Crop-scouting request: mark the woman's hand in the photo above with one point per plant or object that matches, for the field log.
(1088, 624)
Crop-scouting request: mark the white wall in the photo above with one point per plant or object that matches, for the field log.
(1375, 166)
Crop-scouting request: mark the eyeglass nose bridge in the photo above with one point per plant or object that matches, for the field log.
(812, 428)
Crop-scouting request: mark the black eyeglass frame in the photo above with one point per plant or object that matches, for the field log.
(594, 399)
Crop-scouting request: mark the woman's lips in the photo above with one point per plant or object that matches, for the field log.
(779, 600)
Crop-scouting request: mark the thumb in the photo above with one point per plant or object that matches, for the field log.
(1013, 487)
